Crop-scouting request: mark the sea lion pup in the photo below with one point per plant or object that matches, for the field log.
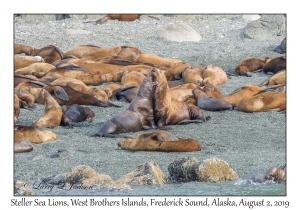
(275, 65)
(246, 91)
(175, 70)
(263, 102)
(74, 114)
(49, 53)
(78, 85)
(192, 74)
(209, 103)
(138, 115)
(157, 60)
(276, 174)
(53, 112)
(159, 141)
(26, 60)
(172, 112)
(35, 67)
(282, 47)
(250, 65)
(213, 76)
(22, 132)
(120, 17)
(276, 79)
(23, 146)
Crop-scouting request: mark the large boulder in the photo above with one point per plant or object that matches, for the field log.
(183, 170)
(266, 27)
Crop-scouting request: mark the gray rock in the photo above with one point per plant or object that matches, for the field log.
(179, 32)
(183, 170)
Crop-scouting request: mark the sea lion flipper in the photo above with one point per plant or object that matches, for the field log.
(60, 93)
(248, 74)
(185, 122)
(77, 124)
(75, 67)
(116, 135)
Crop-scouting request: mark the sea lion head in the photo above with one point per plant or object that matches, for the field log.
(276, 174)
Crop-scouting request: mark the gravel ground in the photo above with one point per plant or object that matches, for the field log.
(249, 142)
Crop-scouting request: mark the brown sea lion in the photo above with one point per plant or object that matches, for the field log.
(19, 78)
(180, 94)
(175, 70)
(49, 53)
(24, 61)
(192, 74)
(92, 52)
(17, 105)
(35, 67)
(275, 65)
(168, 111)
(78, 85)
(276, 79)
(246, 91)
(52, 112)
(159, 141)
(213, 76)
(215, 92)
(282, 47)
(250, 65)
(138, 116)
(120, 17)
(209, 103)
(276, 174)
(132, 78)
(128, 93)
(263, 102)
(32, 134)
(22, 146)
(74, 114)
(111, 89)
(147, 58)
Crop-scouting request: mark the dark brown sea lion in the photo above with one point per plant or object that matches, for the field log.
(24, 61)
(275, 65)
(159, 141)
(52, 112)
(282, 47)
(246, 91)
(19, 78)
(74, 114)
(138, 116)
(49, 53)
(209, 103)
(120, 17)
(250, 65)
(22, 132)
(263, 102)
(276, 79)
(23, 146)
(213, 76)
(168, 111)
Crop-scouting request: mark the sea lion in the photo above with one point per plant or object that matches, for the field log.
(24, 61)
(49, 53)
(132, 78)
(215, 92)
(128, 93)
(22, 146)
(22, 132)
(242, 92)
(250, 65)
(276, 79)
(213, 75)
(192, 74)
(263, 102)
(19, 78)
(120, 17)
(180, 94)
(17, 105)
(276, 174)
(35, 67)
(74, 114)
(111, 89)
(175, 70)
(282, 47)
(172, 112)
(138, 116)
(52, 112)
(147, 58)
(78, 85)
(80, 51)
(275, 65)
(209, 103)
(159, 141)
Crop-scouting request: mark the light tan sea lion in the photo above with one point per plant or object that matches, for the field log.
(263, 102)
(35, 67)
(213, 75)
(132, 78)
(246, 91)
(148, 58)
(26, 60)
(277, 79)
(159, 141)
(193, 74)
(53, 112)
(175, 70)
(32, 134)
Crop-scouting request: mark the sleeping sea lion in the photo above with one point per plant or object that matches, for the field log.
(213, 75)
(22, 132)
(276, 79)
(159, 141)
(192, 74)
(24, 61)
(275, 65)
(250, 65)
